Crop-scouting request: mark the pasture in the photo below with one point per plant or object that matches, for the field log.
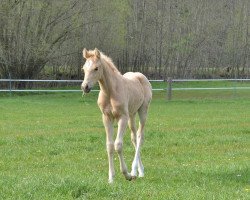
(52, 146)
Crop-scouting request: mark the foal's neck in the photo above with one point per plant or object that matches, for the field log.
(109, 80)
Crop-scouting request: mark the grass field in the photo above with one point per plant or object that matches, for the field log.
(52, 146)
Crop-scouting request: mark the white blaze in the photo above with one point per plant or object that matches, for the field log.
(88, 63)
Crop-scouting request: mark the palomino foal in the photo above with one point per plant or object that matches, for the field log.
(120, 98)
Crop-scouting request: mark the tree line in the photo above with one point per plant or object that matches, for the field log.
(161, 38)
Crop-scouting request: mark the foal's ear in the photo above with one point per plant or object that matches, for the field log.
(97, 53)
(85, 53)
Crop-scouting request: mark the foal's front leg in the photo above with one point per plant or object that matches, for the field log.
(108, 123)
(122, 124)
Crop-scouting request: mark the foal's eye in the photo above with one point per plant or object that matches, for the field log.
(96, 69)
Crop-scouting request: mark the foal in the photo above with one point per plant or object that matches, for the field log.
(120, 98)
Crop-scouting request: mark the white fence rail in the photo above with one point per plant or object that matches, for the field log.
(10, 89)
(169, 85)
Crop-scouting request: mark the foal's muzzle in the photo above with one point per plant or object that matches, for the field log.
(86, 88)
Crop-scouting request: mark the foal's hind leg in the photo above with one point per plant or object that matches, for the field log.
(132, 127)
(137, 163)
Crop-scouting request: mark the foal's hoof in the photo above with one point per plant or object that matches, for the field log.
(110, 181)
(129, 177)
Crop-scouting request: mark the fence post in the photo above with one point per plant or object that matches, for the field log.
(10, 84)
(169, 89)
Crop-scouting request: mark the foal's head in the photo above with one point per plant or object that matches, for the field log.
(92, 69)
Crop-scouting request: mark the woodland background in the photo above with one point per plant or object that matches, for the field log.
(161, 38)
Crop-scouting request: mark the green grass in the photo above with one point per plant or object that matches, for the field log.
(52, 146)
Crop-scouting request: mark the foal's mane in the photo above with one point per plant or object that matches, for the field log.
(109, 63)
